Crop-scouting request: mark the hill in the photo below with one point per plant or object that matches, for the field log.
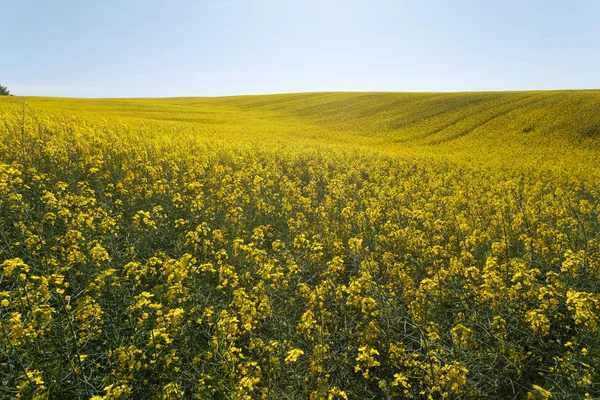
(318, 245)
(555, 131)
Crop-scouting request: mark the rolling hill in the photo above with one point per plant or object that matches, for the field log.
(547, 130)
(314, 245)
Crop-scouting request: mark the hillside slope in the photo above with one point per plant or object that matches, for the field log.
(305, 246)
(552, 131)
(431, 118)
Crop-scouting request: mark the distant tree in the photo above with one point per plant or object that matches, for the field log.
(4, 91)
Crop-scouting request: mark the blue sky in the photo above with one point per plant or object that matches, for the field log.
(149, 48)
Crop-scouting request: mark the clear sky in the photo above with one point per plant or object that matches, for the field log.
(151, 48)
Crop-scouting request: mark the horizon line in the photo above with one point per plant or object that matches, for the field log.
(310, 92)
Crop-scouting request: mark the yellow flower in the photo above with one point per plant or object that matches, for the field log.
(293, 355)
(336, 393)
(366, 359)
(99, 254)
(584, 351)
(539, 392)
(400, 380)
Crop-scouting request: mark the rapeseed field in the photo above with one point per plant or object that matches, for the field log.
(302, 246)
